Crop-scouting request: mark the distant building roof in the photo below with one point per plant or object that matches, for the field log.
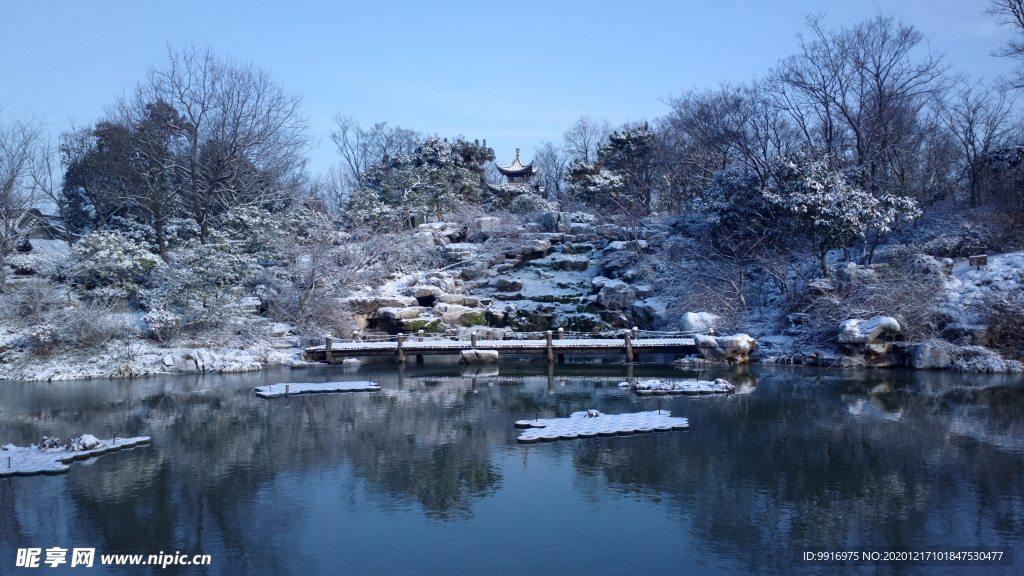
(516, 168)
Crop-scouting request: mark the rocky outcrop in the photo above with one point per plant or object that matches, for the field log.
(733, 349)
(930, 356)
(870, 340)
(555, 222)
(651, 314)
(615, 294)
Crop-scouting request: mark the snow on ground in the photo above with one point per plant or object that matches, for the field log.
(969, 286)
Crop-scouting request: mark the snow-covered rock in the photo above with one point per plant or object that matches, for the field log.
(507, 285)
(581, 229)
(445, 281)
(454, 313)
(278, 329)
(698, 322)
(426, 292)
(857, 274)
(475, 356)
(85, 442)
(460, 299)
(536, 247)
(371, 304)
(864, 341)
(616, 295)
(733, 349)
(857, 331)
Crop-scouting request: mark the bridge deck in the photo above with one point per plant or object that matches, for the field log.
(342, 350)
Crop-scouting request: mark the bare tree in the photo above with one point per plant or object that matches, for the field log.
(860, 92)
(730, 127)
(1010, 13)
(584, 137)
(361, 148)
(244, 136)
(553, 164)
(20, 151)
(980, 119)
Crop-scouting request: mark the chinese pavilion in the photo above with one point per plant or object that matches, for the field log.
(516, 172)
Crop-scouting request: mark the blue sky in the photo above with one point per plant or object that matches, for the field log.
(514, 73)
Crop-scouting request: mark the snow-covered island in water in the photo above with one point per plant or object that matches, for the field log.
(674, 387)
(593, 424)
(289, 388)
(52, 457)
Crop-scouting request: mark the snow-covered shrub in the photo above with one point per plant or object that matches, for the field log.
(983, 360)
(365, 208)
(202, 282)
(163, 326)
(529, 203)
(35, 263)
(262, 234)
(829, 210)
(27, 302)
(109, 264)
(84, 325)
(43, 339)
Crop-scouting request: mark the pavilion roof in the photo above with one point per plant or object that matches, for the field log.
(517, 168)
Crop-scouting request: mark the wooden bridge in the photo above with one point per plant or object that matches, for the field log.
(630, 343)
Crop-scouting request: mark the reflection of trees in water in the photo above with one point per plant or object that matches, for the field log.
(784, 467)
(427, 447)
(786, 470)
(214, 451)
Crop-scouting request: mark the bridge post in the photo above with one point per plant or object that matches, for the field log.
(551, 352)
(561, 333)
(419, 335)
(472, 339)
(490, 334)
(629, 346)
(636, 333)
(328, 344)
(401, 353)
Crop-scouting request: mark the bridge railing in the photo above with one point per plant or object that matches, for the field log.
(499, 334)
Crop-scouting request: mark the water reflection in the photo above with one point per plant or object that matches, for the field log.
(797, 459)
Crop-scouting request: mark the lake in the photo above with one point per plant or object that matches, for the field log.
(426, 476)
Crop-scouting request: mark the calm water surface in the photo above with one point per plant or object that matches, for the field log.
(426, 477)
